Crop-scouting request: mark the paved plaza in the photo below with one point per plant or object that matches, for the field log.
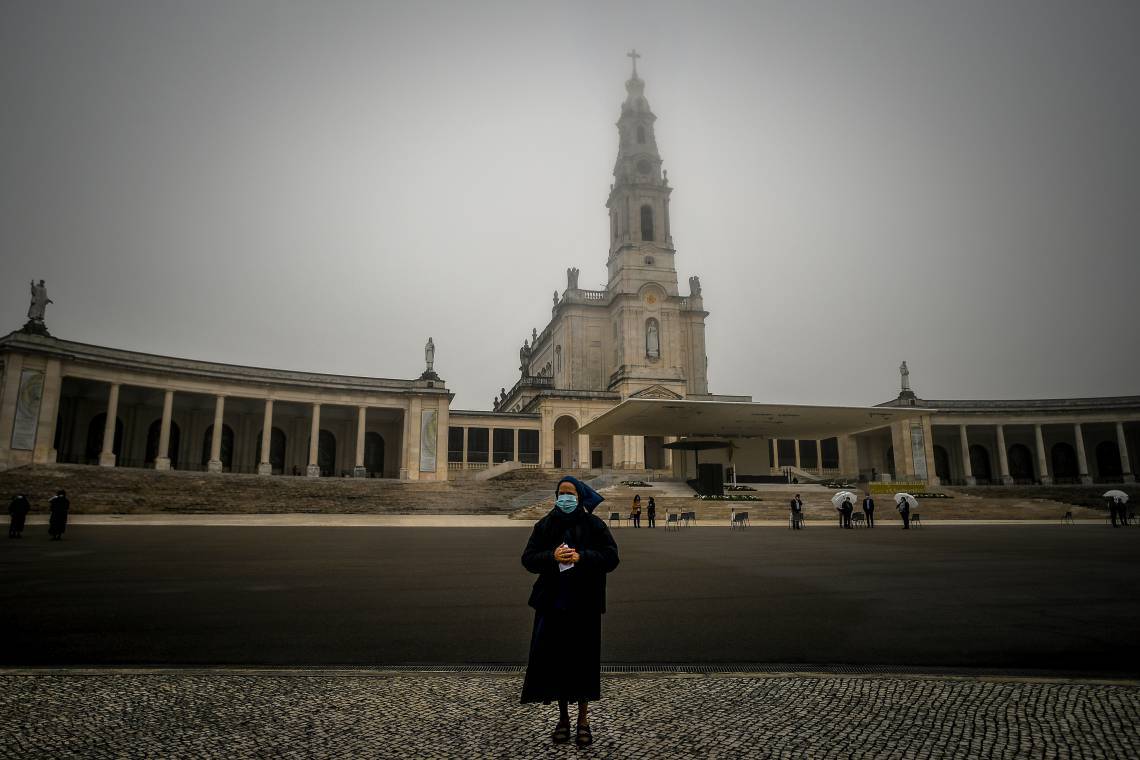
(235, 714)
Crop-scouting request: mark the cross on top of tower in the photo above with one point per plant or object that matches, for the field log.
(633, 56)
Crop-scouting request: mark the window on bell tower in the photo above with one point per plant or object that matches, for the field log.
(647, 222)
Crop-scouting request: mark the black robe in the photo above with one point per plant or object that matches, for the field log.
(18, 508)
(57, 523)
(566, 642)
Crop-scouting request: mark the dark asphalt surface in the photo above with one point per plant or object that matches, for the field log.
(1011, 598)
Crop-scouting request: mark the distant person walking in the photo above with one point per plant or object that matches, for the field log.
(651, 512)
(57, 523)
(635, 511)
(570, 550)
(18, 509)
(904, 510)
(797, 507)
(869, 510)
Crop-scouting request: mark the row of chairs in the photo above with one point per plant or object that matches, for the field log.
(672, 519)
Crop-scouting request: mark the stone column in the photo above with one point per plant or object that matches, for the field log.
(162, 460)
(1082, 460)
(519, 458)
(265, 466)
(10, 386)
(44, 451)
(797, 442)
(215, 463)
(818, 455)
(464, 459)
(314, 468)
(358, 470)
(1125, 461)
(1042, 460)
(584, 453)
(412, 439)
(967, 468)
(1003, 457)
(775, 456)
(107, 456)
(490, 446)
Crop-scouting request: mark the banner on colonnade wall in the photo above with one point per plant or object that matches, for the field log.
(429, 438)
(918, 450)
(27, 409)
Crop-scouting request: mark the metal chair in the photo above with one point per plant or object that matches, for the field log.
(615, 516)
(671, 520)
(915, 520)
(1068, 519)
(739, 520)
(859, 520)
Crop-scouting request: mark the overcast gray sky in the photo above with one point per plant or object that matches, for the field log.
(322, 185)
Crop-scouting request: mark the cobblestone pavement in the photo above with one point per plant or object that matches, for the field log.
(234, 714)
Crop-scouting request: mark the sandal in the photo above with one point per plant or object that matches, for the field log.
(561, 733)
(584, 737)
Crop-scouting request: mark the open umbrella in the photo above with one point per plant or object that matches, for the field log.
(1117, 495)
(901, 497)
(838, 498)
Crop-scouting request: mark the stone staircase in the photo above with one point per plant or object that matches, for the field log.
(97, 490)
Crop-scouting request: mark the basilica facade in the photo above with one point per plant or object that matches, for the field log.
(639, 338)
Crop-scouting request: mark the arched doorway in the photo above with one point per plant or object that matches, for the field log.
(276, 450)
(1020, 464)
(942, 464)
(980, 463)
(1064, 460)
(227, 452)
(566, 442)
(374, 453)
(152, 435)
(95, 438)
(326, 453)
(1108, 462)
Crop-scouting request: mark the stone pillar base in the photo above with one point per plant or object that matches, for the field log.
(360, 472)
(1007, 480)
(106, 460)
(162, 463)
(971, 481)
(264, 468)
(403, 473)
(214, 465)
(1086, 480)
(1046, 481)
(1129, 477)
(313, 471)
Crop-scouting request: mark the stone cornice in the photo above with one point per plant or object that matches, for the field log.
(119, 359)
(986, 406)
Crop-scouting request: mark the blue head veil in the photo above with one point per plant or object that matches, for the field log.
(587, 497)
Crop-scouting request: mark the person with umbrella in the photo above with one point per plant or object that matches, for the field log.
(797, 506)
(1116, 500)
(18, 510)
(57, 523)
(904, 504)
(570, 550)
(842, 501)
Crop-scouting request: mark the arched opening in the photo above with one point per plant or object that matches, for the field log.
(1064, 460)
(326, 453)
(374, 453)
(566, 443)
(980, 463)
(152, 435)
(95, 438)
(942, 464)
(1020, 464)
(640, 135)
(226, 455)
(1108, 462)
(647, 222)
(276, 450)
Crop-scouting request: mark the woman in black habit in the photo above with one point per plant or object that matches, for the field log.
(18, 510)
(571, 550)
(57, 523)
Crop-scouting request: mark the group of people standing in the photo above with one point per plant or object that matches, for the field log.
(650, 511)
(1118, 511)
(846, 509)
(20, 506)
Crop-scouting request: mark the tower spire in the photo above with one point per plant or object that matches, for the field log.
(633, 56)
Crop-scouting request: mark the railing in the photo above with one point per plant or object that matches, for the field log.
(684, 304)
(593, 295)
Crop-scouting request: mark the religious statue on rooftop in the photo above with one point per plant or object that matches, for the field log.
(524, 357)
(429, 354)
(39, 302)
(694, 286)
(533, 337)
(572, 278)
(904, 375)
(556, 298)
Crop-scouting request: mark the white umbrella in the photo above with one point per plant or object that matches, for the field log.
(838, 498)
(1117, 495)
(901, 497)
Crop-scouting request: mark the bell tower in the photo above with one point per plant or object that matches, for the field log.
(641, 245)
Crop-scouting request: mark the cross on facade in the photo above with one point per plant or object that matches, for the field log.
(633, 56)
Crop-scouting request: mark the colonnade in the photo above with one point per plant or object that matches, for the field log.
(1043, 464)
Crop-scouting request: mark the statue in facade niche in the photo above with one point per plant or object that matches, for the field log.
(904, 376)
(652, 340)
(694, 286)
(39, 302)
(572, 278)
